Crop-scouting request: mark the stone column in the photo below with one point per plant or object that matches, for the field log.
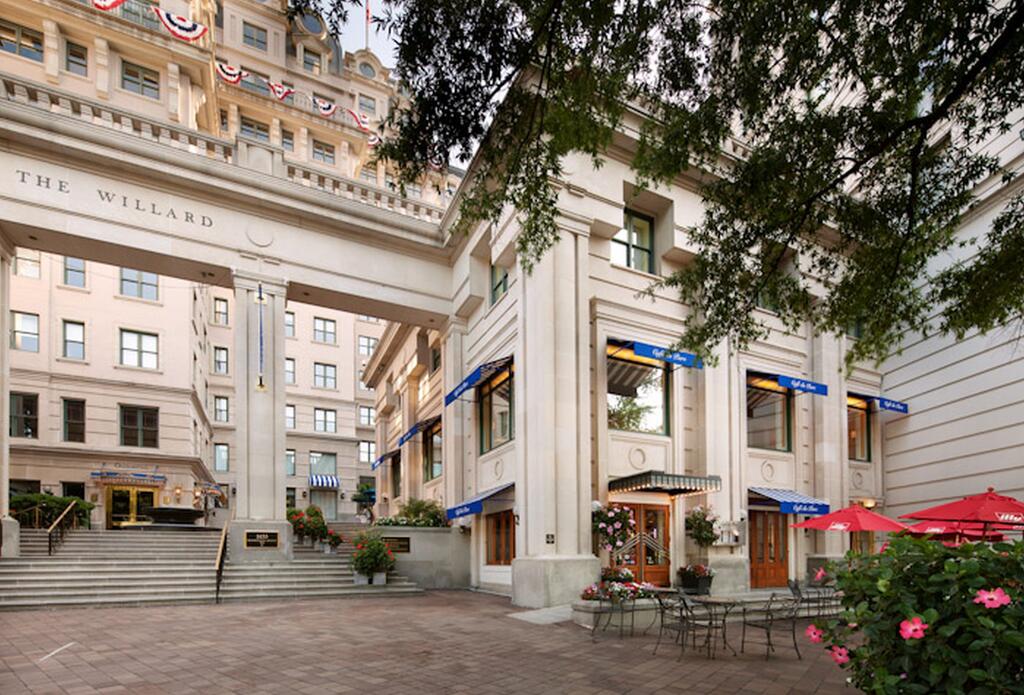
(11, 535)
(553, 429)
(455, 425)
(260, 432)
(829, 435)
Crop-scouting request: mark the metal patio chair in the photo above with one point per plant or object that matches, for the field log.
(779, 613)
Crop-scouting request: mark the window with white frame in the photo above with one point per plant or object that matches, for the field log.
(220, 360)
(367, 452)
(323, 463)
(74, 272)
(325, 376)
(139, 349)
(221, 457)
(289, 370)
(74, 340)
(325, 420)
(220, 408)
(325, 330)
(24, 331)
(367, 344)
(289, 461)
(289, 417)
(27, 263)
(220, 311)
(254, 36)
(289, 324)
(367, 415)
(140, 284)
(322, 152)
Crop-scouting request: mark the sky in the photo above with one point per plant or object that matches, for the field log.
(353, 35)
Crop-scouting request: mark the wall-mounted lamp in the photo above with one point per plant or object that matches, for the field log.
(341, 494)
(234, 490)
(869, 503)
(303, 494)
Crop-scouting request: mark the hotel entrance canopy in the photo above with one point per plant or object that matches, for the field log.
(475, 505)
(672, 484)
(792, 502)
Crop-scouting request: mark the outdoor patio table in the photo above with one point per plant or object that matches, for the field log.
(719, 608)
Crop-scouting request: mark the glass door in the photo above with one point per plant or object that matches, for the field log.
(129, 505)
(646, 553)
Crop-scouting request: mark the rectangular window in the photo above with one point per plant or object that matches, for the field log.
(367, 452)
(255, 82)
(221, 411)
(496, 418)
(322, 152)
(435, 359)
(367, 104)
(24, 331)
(325, 420)
(368, 319)
(367, 416)
(289, 324)
(325, 376)
(139, 350)
(27, 263)
(369, 175)
(396, 476)
(499, 283)
(501, 538)
(74, 340)
(858, 425)
(637, 391)
(311, 61)
(74, 420)
(367, 344)
(254, 36)
(221, 456)
(140, 80)
(73, 489)
(220, 311)
(633, 245)
(289, 497)
(321, 463)
(289, 461)
(138, 283)
(289, 370)
(855, 330)
(289, 417)
(288, 140)
(255, 130)
(768, 413)
(140, 426)
(324, 331)
(76, 59)
(21, 41)
(220, 360)
(24, 415)
(433, 456)
(74, 271)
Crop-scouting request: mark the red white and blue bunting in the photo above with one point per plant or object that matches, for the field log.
(107, 5)
(324, 107)
(181, 27)
(231, 74)
(279, 90)
(362, 120)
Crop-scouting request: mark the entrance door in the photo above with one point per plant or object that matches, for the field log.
(129, 505)
(769, 550)
(646, 553)
(327, 500)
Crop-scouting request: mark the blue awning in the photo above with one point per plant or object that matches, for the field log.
(475, 505)
(384, 457)
(798, 384)
(891, 405)
(665, 355)
(418, 427)
(793, 502)
(484, 371)
(324, 482)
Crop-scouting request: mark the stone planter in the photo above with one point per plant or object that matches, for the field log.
(328, 549)
(588, 613)
(360, 579)
(379, 578)
(699, 586)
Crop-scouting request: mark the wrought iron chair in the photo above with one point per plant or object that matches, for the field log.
(779, 613)
(697, 618)
(670, 618)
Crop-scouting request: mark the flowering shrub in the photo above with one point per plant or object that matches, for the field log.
(612, 524)
(417, 513)
(334, 539)
(297, 518)
(315, 524)
(700, 526)
(372, 554)
(617, 591)
(925, 618)
(616, 574)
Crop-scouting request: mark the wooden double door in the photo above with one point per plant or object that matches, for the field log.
(646, 553)
(769, 549)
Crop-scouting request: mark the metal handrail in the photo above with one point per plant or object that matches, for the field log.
(59, 526)
(220, 560)
(36, 509)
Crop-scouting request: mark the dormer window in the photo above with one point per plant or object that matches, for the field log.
(366, 70)
(311, 61)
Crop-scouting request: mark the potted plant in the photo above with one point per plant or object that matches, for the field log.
(332, 542)
(696, 579)
(297, 518)
(316, 525)
(372, 559)
(613, 525)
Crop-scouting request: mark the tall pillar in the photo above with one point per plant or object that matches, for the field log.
(554, 557)
(455, 416)
(260, 432)
(829, 436)
(11, 535)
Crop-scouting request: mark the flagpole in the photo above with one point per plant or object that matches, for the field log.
(367, 44)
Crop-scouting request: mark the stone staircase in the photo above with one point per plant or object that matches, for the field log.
(129, 567)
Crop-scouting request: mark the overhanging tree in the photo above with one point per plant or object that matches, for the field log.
(867, 127)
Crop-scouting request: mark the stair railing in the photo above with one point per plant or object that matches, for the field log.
(221, 547)
(55, 534)
(23, 518)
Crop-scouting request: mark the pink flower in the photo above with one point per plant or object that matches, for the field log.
(913, 628)
(813, 633)
(618, 542)
(601, 525)
(840, 655)
(820, 574)
(618, 524)
(992, 598)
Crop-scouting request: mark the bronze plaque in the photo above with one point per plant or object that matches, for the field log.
(398, 545)
(262, 539)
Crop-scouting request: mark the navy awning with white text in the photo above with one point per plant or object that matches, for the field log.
(793, 502)
(475, 505)
(484, 371)
(418, 427)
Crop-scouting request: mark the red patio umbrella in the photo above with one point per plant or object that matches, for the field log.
(854, 518)
(958, 528)
(987, 509)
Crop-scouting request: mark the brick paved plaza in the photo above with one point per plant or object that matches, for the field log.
(444, 642)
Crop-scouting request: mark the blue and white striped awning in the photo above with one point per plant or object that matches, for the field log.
(324, 482)
(481, 373)
(384, 457)
(475, 504)
(793, 502)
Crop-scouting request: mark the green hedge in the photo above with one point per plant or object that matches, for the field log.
(51, 507)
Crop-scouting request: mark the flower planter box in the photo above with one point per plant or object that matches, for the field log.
(699, 586)
(360, 579)
(379, 578)
(587, 613)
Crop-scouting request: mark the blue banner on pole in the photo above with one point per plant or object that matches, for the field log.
(894, 406)
(803, 385)
(665, 355)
